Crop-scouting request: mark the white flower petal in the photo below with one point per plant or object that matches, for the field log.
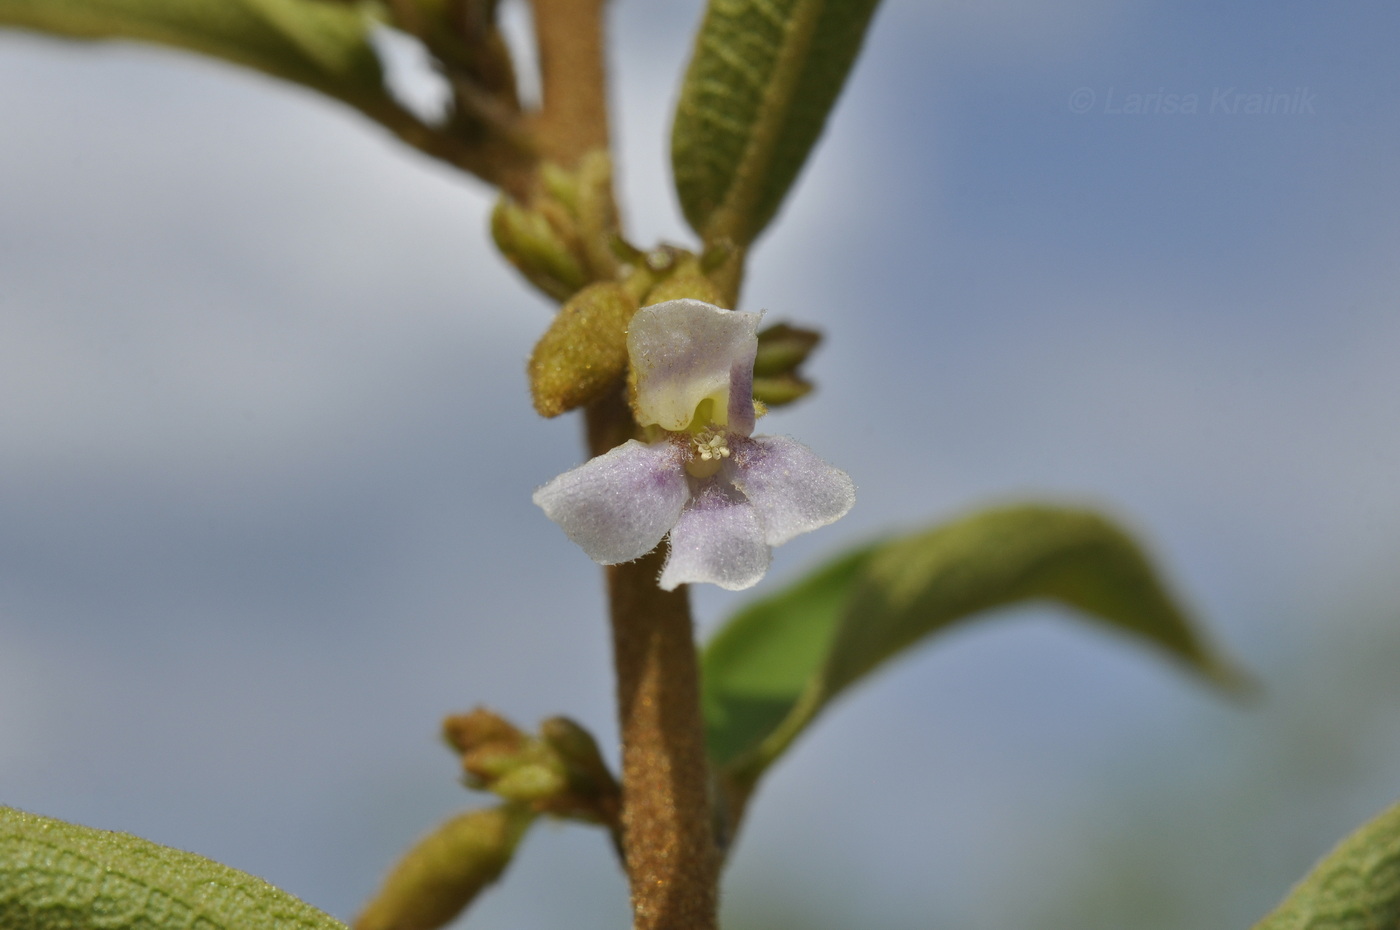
(792, 489)
(619, 505)
(686, 351)
(719, 540)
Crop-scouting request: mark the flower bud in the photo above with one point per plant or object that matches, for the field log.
(465, 732)
(780, 390)
(584, 351)
(531, 782)
(687, 280)
(586, 193)
(782, 348)
(445, 870)
(781, 351)
(559, 772)
(488, 763)
(538, 243)
(578, 751)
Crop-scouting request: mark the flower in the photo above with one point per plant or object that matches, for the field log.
(724, 496)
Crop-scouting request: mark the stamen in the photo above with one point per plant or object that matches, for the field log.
(708, 448)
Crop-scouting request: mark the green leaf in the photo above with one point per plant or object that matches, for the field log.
(763, 78)
(757, 666)
(319, 43)
(776, 664)
(60, 876)
(1357, 887)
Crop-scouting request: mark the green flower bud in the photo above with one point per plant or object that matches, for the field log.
(584, 351)
(465, 732)
(487, 763)
(595, 209)
(531, 782)
(585, 196)
(538, 242)
(781, 351)
(444, 871)
(780, 390)
(782, 348)
(687, 280)
(577, 749)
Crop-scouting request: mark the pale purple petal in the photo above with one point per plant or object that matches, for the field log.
(619, 505)
(741, 413)
(719, 540)
(793, 491)
(684, 352)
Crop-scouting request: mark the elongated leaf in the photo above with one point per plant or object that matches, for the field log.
(757, 666)
(318, 43)
(763, 78)
(59, 876)
(1357, 887)
(772, 669)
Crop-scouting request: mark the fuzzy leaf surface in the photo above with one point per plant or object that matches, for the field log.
(60, 876)
(772, 669)
(1356, 887)
(763, 78)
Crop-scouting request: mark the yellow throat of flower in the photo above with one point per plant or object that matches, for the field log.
(709, 441)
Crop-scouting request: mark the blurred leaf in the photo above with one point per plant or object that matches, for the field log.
(319, 43)
(60, 876)
(757, 666)
(763, 78)
(1357, 887)
(773, 668)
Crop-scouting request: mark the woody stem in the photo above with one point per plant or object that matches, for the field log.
(671, 858)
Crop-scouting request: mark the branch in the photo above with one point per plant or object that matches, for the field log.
(671, 858)
(573, 117)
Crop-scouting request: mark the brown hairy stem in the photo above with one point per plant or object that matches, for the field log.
(671, 858)
(573, 117)
(668, 842)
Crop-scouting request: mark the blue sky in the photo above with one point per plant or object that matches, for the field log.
(264, 486)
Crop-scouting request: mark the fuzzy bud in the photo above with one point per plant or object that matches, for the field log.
(584, 351)
(781, 351)
(445, 870)
(540, 244)
(687, 280)
(531, 782)
(465, 732)
(782, 348)
(577, 749)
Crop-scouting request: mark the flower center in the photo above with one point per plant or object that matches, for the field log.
(708, 450)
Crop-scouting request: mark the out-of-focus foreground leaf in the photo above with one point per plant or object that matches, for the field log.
(318, 43)
(764, 76)
(776, 664)
(60, 876)
(1357, 887)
